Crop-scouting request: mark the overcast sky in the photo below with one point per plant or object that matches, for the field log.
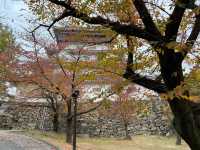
(15, 14)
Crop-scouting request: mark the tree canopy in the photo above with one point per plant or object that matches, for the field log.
(167, 28)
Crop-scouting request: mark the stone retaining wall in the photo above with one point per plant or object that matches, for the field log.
(38, 116)
(29, 116)
(152, 122)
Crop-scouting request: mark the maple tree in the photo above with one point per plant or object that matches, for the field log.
(123, 108)
(126, 110)
(57, 78)
(171, 30)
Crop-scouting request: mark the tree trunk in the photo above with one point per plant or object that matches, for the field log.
(185, 123)
(55, 122)
(178, 139)
(75, 96)
(186, 113)
(69, 130)
(69, 123)
(128, 137)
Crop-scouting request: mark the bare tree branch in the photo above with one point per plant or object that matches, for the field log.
(90, 110)
(153, 4)
(41, 68)
(95, 107)
(62, 68)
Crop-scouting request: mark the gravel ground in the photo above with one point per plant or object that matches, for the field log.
(12, 141)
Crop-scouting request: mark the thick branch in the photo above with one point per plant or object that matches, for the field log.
(175, 20)
(146, 17)
(58, 2)
(119, 27)
(62, 16)
(154, 85)
(195, 31)
(146, 82)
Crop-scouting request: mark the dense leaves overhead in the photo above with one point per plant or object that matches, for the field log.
(164, 24)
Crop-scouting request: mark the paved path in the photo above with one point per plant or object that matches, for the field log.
(13, 141)
(7, 145)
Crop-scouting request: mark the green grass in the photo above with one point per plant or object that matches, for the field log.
(137, 143)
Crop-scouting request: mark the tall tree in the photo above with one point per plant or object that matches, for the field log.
(123, 108)
(56, 78)
(164, 25)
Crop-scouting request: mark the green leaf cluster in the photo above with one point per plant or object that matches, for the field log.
(6, 38)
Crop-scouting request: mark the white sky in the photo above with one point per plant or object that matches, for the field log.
(15, 14)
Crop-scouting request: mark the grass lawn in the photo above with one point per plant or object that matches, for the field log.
(137, 143)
